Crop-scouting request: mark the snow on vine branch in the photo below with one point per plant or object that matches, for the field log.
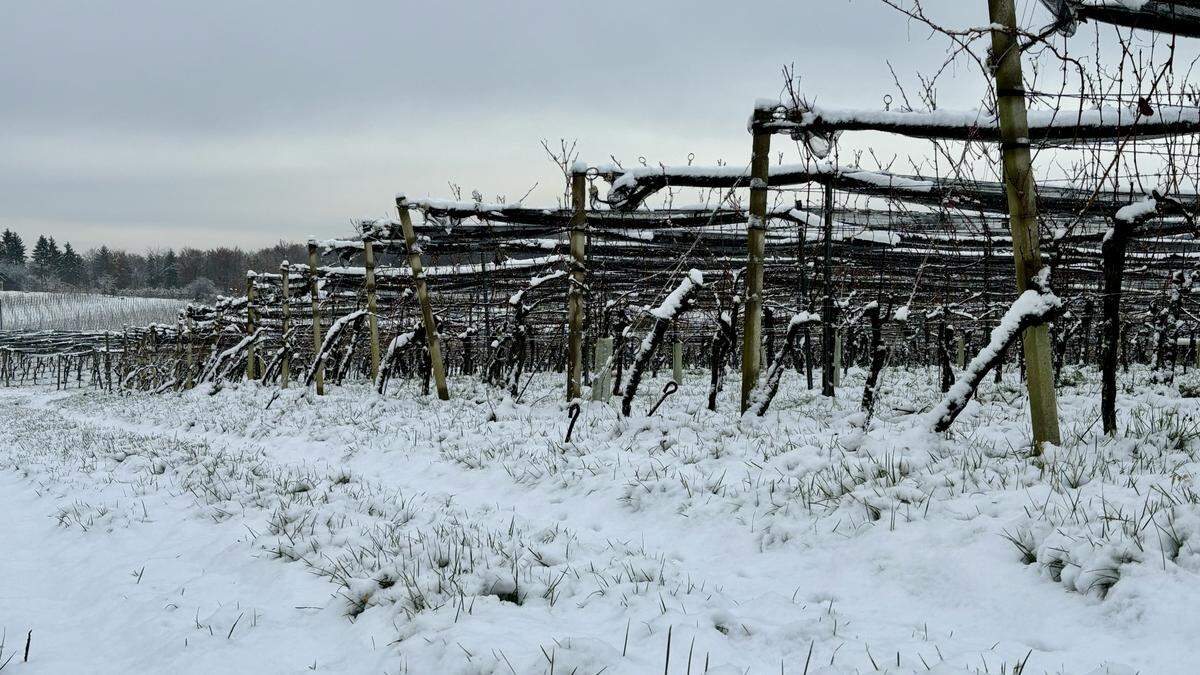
(1032, 308)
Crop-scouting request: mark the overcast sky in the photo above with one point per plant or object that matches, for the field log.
(153, 123)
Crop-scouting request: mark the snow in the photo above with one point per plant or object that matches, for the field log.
(1038, 119)
(452, 205)
(1137, 211)
(671, 305)
(358, 533)
(1028, 304)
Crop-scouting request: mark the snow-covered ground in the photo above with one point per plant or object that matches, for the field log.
(266, 531)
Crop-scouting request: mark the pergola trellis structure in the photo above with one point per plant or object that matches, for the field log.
(497, 289)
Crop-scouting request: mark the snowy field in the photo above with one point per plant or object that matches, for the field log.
(35, 310)
(263, 532)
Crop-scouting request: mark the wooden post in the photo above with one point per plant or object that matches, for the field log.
(829, 371)
(317, 335)
(431, 334)
(251, 325)
(756, 230)
(602, 383)
(372, 305)
(190, 379)
(285, 364)
(1022, 209)
(960, 343)
(677, 362)
(575, 300)
(835, 369)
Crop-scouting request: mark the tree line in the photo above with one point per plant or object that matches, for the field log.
(186, 273)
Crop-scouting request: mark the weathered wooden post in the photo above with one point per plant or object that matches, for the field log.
(1022, 209)
(829, 371)
(431, 335)
(677, 362)
(285, 363)
(317, 335)
(372, 305)
(575, 297)
(251, 326)
(960, 344)
(835, 369)
(602, 382)
(756, 230)
(189, 380)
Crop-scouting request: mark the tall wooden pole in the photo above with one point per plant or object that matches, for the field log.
(317, 335)
(285, 365)
(251, 325)
(1022, 210)
(575, 302)
(829, 344)
(756, 229)
(372, 305)
(431, 334)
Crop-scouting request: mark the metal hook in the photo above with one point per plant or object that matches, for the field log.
(573, 413)
(668, 389)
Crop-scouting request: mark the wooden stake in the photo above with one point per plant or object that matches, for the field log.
(1022, 209)
(829, 371)
(317, 335)
(372, 306)
(677, 362)
(285, 365)
(756, 229)
(575, 300)
(431, 334)
(835, 370)
(251, 325)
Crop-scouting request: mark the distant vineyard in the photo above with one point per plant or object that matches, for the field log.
(21, 310)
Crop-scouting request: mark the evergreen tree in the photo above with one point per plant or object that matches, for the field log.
(71, 268)
(170, 270)
(102, 265)
(45, 256)
(12, 249)
(122, 270)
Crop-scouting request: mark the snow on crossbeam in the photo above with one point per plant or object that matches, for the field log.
(1045, 126)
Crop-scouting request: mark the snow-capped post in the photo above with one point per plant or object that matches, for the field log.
(756, 230)
(372, 304)
(674, 305)
(285, 365)
(575, 288)
(317, 337)
(829, 370)
(1112, 249)
(251, 321)
(414, 261)
(1034, 307)
(1022, 210)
